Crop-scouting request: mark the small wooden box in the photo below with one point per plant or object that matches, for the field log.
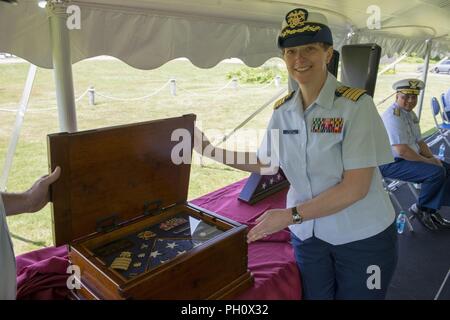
(259, 187)
(120, 204)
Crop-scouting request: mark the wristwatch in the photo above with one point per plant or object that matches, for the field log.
(296, 217)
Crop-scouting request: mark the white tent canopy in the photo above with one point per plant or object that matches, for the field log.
(148, 33)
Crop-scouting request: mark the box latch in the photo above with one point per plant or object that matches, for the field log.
(107, 224)
(152, 208)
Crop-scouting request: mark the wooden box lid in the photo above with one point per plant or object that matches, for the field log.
(116, 174)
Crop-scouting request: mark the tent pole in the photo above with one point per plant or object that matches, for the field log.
(424, 76)
(62, 66)
(392, 64)
(20, 114)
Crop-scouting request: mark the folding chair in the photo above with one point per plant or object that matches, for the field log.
(443, 128)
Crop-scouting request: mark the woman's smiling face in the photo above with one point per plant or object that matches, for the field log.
(307, 61)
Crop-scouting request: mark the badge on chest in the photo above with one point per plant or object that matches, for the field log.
(327, 125)
(293, 131)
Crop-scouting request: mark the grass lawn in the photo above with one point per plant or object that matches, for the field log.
(220, 110)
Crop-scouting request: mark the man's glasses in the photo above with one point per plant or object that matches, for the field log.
(408, 96)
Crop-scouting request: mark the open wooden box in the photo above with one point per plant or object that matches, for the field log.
(120, 204)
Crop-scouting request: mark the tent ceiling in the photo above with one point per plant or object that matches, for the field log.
(148, 33)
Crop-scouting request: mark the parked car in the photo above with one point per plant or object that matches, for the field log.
(443, 67)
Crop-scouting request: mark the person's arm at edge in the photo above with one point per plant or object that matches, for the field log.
(245, 161)
(32, 200)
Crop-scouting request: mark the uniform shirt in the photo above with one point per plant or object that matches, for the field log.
(402, 127)
(7, 260)
(315, 161)
(447, 105)
(447, 101)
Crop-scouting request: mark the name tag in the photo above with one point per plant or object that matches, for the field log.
(290, 131)
(327, 125)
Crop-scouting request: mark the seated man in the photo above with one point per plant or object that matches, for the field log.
(447, 104)
(31, 200)
(414, 161)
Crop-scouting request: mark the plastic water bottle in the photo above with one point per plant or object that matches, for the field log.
(441, 154)
(401, 221)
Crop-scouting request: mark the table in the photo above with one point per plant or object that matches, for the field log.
(42, 273)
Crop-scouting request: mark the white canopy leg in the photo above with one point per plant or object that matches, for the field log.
(424, 77)
(62, 66)
(17, 126)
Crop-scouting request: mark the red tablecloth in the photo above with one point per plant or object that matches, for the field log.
(42, 274)
(272, 260)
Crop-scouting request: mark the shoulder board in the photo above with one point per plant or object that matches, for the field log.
(280, 102)
(397, 112)
(350, 93)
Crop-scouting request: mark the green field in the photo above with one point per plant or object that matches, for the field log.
(196, 93)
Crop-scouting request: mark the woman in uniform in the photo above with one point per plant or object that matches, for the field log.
(329, 141)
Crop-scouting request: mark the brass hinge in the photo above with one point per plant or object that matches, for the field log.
(152, 208)
(107, 224)
(173, 205)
